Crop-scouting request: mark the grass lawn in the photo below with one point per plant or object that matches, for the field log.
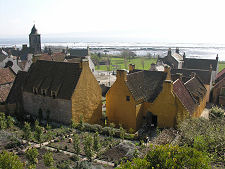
(221, 66)
(118, 63)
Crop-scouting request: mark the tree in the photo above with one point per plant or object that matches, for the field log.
(10, 122)
(48, 159)
(10, 161)
(81, 123)
(31, 155)
(143, 63)
(111, 130)
(27, 134)
(36, 123)
(76, 144)
(122, 133)
(3, 123)
(96, 145)
(38, 134)
(88, 147)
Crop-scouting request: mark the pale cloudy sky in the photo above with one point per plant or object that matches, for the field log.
(153, 20)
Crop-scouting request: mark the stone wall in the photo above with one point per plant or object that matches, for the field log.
(87, 98)
(60, 110)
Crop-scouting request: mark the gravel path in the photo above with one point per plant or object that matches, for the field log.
(205, 113)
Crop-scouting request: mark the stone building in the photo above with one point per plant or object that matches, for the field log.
(174, 60)
(204, 75)
(79, 54)
(202, 64)
(34, 41)
(218, 92)
(150, 97)
(62, 91)
(7, 77)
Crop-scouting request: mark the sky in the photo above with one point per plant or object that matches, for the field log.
(183, 21)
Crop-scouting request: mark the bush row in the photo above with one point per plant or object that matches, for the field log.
(102, 130)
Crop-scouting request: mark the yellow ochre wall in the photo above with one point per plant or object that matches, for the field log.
(167, 107)
(208, 92)
(118, 110)
(200, 107)
(86, 99)
(164, 106)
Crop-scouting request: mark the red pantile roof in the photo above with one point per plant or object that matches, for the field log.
(184, 96)
(221, 73)
(4, 91)
(6, 76)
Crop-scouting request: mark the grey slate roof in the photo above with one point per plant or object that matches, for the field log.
(15, 94)
(145, 85)
(203, 64)
(61, 77)
(196, 88)
(2, 57)
(204, 75)
(78, 53)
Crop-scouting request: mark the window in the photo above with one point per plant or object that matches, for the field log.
(44, 92)
(128, 98)
(53, 94)
(35, 90)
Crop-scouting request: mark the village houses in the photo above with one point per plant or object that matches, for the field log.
(152, 97)
(61, 91)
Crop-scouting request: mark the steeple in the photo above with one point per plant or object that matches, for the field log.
(169, 52)
(34, 30)
(34, 41)
(177, 50)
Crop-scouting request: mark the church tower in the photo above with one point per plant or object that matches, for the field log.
(35, 41)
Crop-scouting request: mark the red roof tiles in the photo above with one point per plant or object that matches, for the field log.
(184, 96)
(6, 76)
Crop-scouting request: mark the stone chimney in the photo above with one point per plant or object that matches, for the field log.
(167, 86)
(84, 63)
(169, 52)
(121, 75)
(177, 50)
(88, 51)
(184, 56)
(153, 67)
(180, 75)
(193, 74)
(210, 67)
(131, 67)
(167, 70)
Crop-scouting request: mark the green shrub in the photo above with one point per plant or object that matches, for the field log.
(3, 123)
(96, 144)
(10, 122)
(27, 134)
(205, 135)
(88, 147)
(31, 155)
(200, 143)
(165, 156)
(48, 159)
(10, 161)
(136, 163)
(216, 112)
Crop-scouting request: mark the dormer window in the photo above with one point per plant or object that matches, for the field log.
(35, 90)
(53, 94)
(44, 92)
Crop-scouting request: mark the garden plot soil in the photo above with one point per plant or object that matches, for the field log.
(165, 137)
(57, 156)
(116, 153)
